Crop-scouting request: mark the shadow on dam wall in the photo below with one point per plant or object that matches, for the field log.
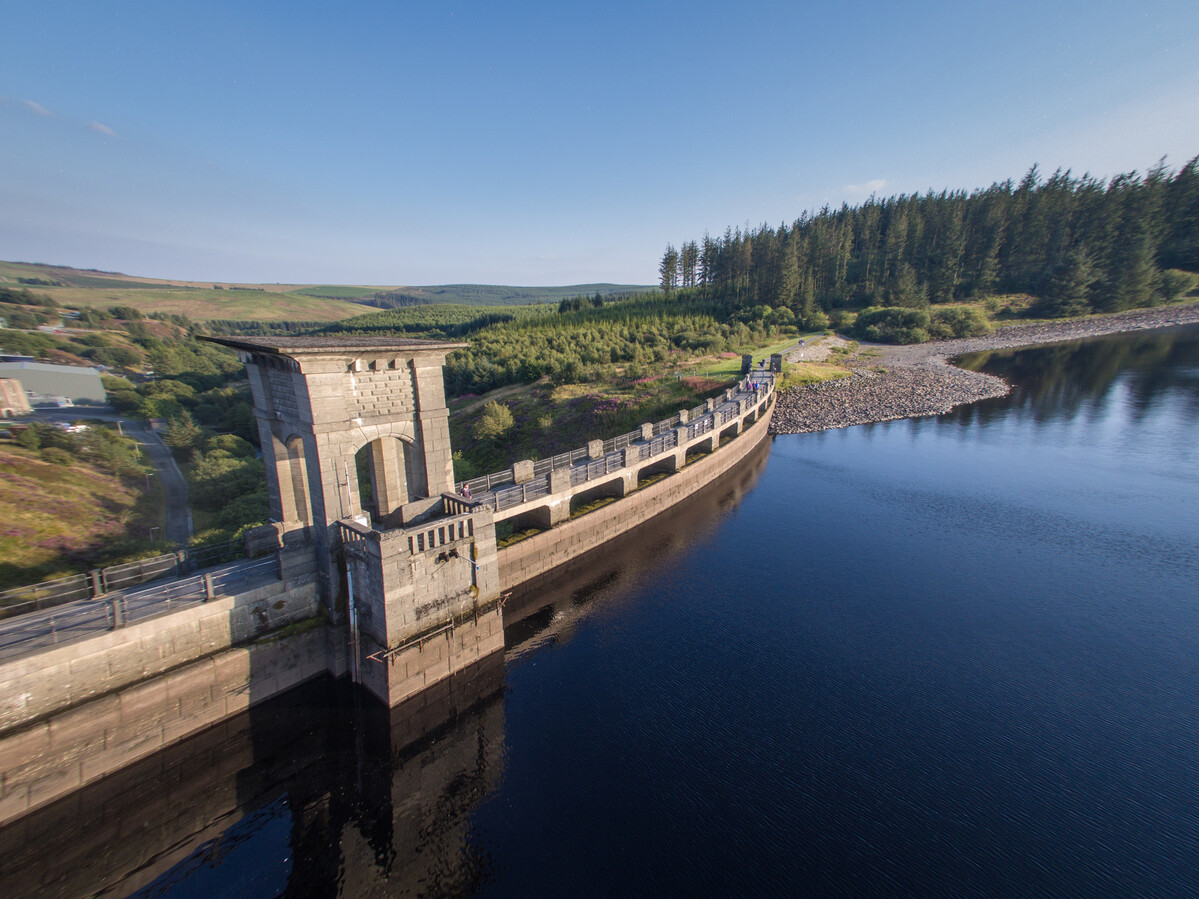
(322, 790)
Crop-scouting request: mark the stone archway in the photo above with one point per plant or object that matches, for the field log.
(319, 400)
(386, 476)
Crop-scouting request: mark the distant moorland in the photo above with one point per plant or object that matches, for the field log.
(72, 287)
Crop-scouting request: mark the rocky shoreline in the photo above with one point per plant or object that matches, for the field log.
(908, 381)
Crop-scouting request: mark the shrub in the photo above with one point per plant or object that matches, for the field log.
(115, 357)
(464, 468)
(56, 456)
(29, 439)
(495, 420)
(959, 321)
(231, 444)
(815, 320)
(891, 324)
(1176, 283)
(839, 320)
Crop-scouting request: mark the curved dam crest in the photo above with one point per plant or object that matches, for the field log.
(401, 593)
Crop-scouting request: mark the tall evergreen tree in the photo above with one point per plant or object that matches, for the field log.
(1068, 288)
(1180, 243)
(669, 269)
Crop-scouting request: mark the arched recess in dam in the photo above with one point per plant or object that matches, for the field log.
(384, 472)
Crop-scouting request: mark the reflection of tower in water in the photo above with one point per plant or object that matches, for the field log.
(315, 793)
(398, 811)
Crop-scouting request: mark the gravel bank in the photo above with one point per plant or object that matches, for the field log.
(918, 380)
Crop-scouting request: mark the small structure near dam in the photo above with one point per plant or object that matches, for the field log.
(383, 567)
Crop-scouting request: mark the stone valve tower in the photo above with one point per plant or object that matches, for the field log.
(355, 439)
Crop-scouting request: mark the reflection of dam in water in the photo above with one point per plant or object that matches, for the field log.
(312, 788)
(548, 608)
(319, 792)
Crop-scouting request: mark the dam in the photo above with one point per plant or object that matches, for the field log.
(381, 567)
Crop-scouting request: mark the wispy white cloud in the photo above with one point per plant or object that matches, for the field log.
(36, 108)
(101, 129)
(864, 190)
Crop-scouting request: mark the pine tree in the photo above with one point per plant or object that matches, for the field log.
(707, 260)
(906, 289)
(495, 421)
(1068, 288)
(1180, 245)
(788, 282)
(688, 263)
(669, 269)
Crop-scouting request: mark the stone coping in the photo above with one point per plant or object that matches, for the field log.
(313, 345)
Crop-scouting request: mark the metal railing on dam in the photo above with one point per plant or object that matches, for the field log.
(73, 621)
(500, 491)
(115, 578)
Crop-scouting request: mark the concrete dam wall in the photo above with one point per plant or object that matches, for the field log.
(400, 597)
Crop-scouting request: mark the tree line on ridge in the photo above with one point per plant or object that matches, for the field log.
(1077, 243)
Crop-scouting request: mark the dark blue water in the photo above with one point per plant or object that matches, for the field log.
(953, 655)
(949, 656)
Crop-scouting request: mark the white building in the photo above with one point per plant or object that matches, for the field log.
(44, 379)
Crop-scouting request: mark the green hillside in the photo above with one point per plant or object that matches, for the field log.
(232, 301)
(501, 295)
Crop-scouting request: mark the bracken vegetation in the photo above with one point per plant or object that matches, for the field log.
(70, 501)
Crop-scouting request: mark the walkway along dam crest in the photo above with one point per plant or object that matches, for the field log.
(384, 568)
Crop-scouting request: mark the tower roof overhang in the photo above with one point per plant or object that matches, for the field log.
(333, 346)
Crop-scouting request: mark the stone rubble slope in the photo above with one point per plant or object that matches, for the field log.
(909, 381)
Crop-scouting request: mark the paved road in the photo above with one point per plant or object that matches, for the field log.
(178, 515)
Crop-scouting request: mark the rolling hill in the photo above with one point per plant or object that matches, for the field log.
(268, 302)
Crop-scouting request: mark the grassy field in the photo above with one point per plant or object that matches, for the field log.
(337, 291)
(201, 304)
(729, 365)
(79, 514)
(503, 295)
(202, 300)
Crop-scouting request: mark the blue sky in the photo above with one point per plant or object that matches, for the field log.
(542, 143)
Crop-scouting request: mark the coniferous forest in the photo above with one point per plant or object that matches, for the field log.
(1078, 244)
(901, 269)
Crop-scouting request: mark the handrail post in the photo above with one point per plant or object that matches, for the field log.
(118, 612)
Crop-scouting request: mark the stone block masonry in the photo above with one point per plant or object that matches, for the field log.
(60, 753)
(564, 542)
(75, 713)
(410, 669)
(41, 684)
(425, 600)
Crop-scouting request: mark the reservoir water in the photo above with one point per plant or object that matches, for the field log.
(939, 657)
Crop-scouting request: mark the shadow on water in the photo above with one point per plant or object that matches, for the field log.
(322, 791)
